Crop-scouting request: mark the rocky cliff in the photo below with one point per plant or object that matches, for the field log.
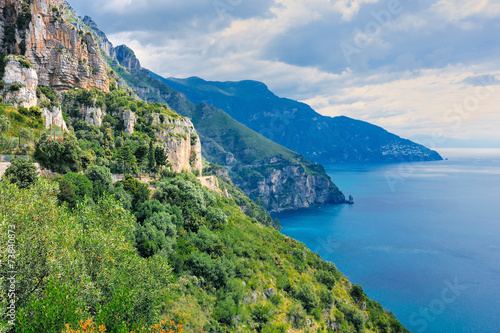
(63, 57)
(181, 142)
(126, 57)
(20, 82)
(291, 187)
(53, 116)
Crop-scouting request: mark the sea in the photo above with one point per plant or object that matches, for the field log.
(423, 239)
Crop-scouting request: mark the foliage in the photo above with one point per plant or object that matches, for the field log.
(59, 155)
(80, 264)
(101, 179)
(22, 172)
(4, 124)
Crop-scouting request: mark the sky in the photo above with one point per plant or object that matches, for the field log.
(427, 70)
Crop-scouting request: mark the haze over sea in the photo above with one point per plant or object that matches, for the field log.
(423, 239)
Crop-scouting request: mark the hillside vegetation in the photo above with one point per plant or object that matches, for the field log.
(186, 255)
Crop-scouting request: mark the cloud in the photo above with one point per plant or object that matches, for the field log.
(482, 80)
(417, 65)
(458, 10)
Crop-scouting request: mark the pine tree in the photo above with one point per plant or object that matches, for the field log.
(151, 158)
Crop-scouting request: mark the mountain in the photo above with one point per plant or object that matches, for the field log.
(277, 177)
(93, 254)
(298, 127)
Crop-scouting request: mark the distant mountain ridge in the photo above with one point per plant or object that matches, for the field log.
(279, 178)
(297, 126)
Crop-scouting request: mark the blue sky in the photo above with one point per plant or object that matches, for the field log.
(427, 70)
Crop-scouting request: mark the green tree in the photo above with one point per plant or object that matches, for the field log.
(26, 134)
(151, 158)
(357, 293)
(60, 155)
(160, 157)
(141, 153)
(22, 172)
(139, 191)
(125, 157)
(4, 124)
(101, 179)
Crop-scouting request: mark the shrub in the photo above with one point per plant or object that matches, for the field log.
(306, 295)
(16, 86)
(357, 293)
(22, 172)
(326, 278)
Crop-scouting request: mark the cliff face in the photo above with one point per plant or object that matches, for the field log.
(63, 57)
(181, 142)
(291, 187)
(53, 116)
(126, 57)
(20, 82)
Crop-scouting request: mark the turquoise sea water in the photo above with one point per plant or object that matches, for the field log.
(423, 239)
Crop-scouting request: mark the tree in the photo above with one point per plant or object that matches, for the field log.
(101, 179)
(151, 158)
(25, 134)
(141, 153)
(357, 293)
(22, 172)
(4, 124)
(125, 156)
(160, 156)
(61, 155)
(139, 191)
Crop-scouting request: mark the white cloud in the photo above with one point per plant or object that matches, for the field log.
(405, 80)
(458, 10)
(349, 8)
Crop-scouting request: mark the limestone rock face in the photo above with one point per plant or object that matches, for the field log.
(92, 115)
(129, 118)
(54, 116)
(63, 57)
(126, 57)
(181, 142)
(302, 189)
(20, 82)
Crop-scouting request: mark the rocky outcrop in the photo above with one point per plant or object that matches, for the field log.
(53, 116)
(20, 82)
(126, 57)
(181, 142)
(63, 57)
(290, 187)
(92, 115)
(129, 118)
(101, 37)
(212, 183)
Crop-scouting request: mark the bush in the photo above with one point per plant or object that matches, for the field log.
(101, 179)
(61, 155)
(357, 293)
(22, 172)
(16, 86)
(306, 295)
(326, 278)
(225, 311)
